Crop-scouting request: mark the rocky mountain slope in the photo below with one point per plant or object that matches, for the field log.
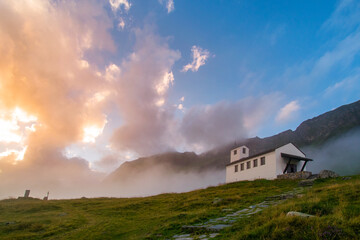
(315, 131)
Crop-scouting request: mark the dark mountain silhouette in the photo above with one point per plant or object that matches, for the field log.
(315, 131)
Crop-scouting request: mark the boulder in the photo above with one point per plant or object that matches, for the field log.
(216, 200)
(306, 183)
(314, 176)
(8, 223)
(227, 210)
(328, 174)
(299, 214)
(217, 227)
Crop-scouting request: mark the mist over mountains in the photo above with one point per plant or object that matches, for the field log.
(340, 154)
(332, 139)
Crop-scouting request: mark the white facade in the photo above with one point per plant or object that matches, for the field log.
(238, 153)
(266, 166)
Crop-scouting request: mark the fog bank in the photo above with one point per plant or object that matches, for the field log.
(341, 155)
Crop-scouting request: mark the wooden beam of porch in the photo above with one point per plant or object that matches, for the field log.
(287, 165)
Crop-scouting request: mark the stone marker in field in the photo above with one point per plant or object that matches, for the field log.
(27, 193)
(46, 197)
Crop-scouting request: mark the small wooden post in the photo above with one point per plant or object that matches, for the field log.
(287, 165)
(302, 169)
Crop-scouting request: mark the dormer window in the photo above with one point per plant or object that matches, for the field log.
(235, 152)
(244, 150)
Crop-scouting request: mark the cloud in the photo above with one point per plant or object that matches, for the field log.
(277, 33)
(117, 4)
(57, 91)
(345, 86)
(121, 24)
(169, 4)
(52, 84)
(287, 112)
(204, 127)
(199, 58)
(91, 132)
(180, 106)
(342, 54)
(160, 178)
(141, 95)
(337, 59)
(346, 16)
(63, 93)
(63, 177)
(108, 163)
(43, 71)
(163, 86)
(334, 87)
(340, 154)
(112, 72)
(250, 80)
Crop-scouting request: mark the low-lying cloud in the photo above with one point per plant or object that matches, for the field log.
(341, 155)
(49, 171)
(205, 127)
(209, 126)
(162, 179)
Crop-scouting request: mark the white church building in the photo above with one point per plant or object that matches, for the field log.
(266, 165)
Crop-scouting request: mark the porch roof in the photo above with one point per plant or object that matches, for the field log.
(295, 157)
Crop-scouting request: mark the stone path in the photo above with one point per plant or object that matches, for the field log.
(212, 226)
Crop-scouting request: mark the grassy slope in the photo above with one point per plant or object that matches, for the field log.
(336, 203)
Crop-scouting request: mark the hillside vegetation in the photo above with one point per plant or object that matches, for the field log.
(334, 202)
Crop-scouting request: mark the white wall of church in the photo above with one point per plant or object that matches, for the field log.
(267, 171)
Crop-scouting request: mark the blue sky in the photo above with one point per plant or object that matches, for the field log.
(260, 47)
(110, 81)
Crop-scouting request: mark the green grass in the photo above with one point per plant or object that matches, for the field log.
(335, 202)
